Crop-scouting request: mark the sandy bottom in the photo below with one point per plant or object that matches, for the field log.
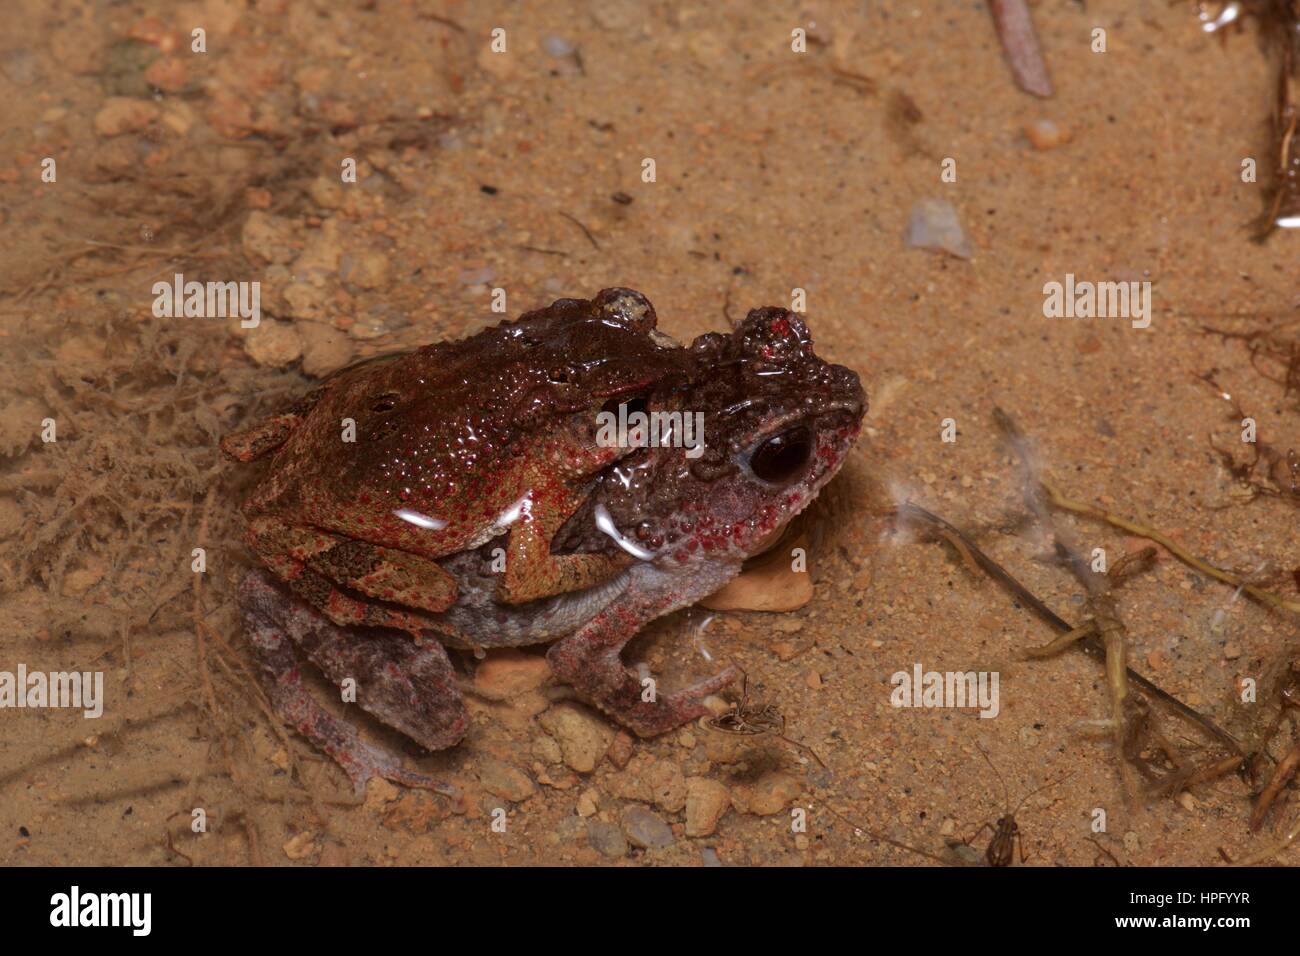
(524, 171)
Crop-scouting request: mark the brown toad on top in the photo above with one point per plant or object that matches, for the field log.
(462, 495)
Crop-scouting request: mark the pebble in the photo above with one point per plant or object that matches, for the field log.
(479, 275)
(557, 46)
(122, 114)
(80, 580)
(325, 349)
(167, 74)
(583, 737)
(1045, 134)
(769, 587)
(268, 237)
(307, 301)
(588, 803)
(934, 225)
(667, 785)
(273, 344)
(645, 829)
(607, 839)
(20, 67)
(618, 15)
(503, 780)
(546, 750)
(771, 794)
(706, 802)
(301, 846)
(366, 270)
(509, 673)
(326, 192)
(620, 751)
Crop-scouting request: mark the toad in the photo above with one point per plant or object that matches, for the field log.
(467, 495)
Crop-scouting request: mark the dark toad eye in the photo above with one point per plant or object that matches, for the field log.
(634, 405)
(782, 458)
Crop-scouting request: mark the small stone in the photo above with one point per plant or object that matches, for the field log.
(20, 67)
(1232, 650)
(546, 750)
(583, 737)
(80, 580)
(167, 74)
(934, 225)
(785, 650)
(588, 803)
(179, 117)
(632, 783)
(645, 829)
(503, 780)
(706, 803)
(772, 586)
(607, 839)
(771, 794)
(268, 237)
(154, 32)
(273, 344)
(122, 114)
(499, 65)
(509, 673)
(813, 680)
(1132, 842)
(1186, 801)
(301, 846)
(667, 785)
(368, 270)
(306, 301)
(324, 348)
(229, 115)
(557, 46)
(620, 751)
(379, 792)
(332, 855)
(1046, 134)
(326, 192)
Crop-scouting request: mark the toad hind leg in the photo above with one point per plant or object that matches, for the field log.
(589, 658)
(410, 688)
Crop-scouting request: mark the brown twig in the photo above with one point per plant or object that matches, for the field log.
(1089, 645)
(1282, 775)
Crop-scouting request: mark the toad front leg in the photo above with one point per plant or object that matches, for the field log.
(589, 658)
(408, 687)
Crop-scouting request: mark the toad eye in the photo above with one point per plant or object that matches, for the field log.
(781, 458)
